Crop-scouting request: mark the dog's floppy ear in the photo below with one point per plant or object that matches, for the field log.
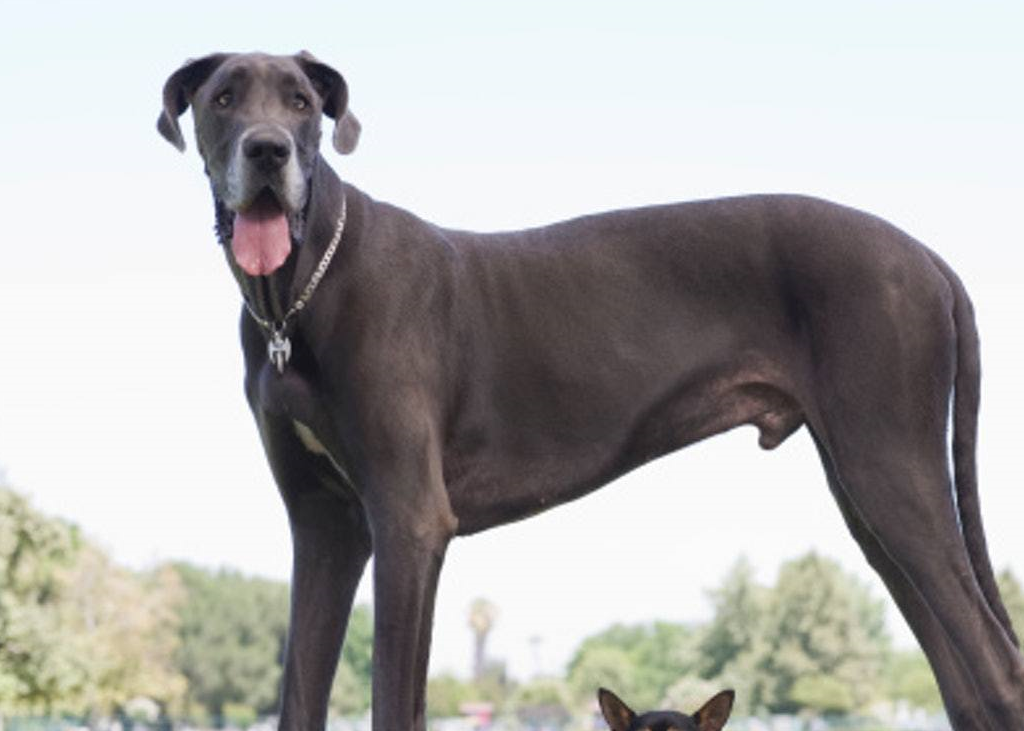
(615, 712)
(333, 90)
(713, 714)
(178, 91)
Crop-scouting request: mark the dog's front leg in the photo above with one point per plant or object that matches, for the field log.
(412, 525)
(331, 547)
(405, 583)
(331, 544)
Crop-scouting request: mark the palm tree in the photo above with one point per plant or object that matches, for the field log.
(482, 614)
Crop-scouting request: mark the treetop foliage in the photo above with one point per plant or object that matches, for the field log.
(82, 636)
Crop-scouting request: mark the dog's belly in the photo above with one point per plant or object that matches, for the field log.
(514, 474)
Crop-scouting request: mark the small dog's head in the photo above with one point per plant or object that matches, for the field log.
(710, 717)
(257, 121)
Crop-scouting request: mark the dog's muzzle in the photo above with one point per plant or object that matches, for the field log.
(264, 158)
(264, 188)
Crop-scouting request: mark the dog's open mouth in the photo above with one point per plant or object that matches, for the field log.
(261, 239)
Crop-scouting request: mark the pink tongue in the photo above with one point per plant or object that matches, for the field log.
(261, 241)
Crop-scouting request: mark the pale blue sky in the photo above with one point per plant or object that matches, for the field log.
(120, 376)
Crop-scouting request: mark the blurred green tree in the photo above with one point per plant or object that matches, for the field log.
(739, 605)
(39, 668)
(1013, 598)
(125, 628)
(350, 694)
(823, 694)
(446, 694)
(494, 686)
(689, 693)
(601, 666)
(645, 659)
(232, 636)
(542, 703)
(909, 677)
(78, 634)
(820, 623)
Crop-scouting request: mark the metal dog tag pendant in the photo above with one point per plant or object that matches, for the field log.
(279, 350)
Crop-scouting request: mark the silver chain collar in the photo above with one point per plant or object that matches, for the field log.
(279, 347)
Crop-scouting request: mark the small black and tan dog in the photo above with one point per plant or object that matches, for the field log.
(709, 717)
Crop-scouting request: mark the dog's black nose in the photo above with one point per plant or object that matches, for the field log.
(268, 151)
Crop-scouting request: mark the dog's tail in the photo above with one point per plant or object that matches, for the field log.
(966, 398)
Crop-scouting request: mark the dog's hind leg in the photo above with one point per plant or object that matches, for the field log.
(331, 544)
(884, 361)
(904, 501)
(896, 479)
(962, 704)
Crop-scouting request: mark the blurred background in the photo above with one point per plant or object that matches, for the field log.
(143, 548)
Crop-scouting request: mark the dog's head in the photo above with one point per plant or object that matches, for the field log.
(710, 717)
(257, 121)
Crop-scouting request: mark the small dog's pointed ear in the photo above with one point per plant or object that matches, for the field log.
(178, 91)
(713, 714)
(333, 90)
(618, 715)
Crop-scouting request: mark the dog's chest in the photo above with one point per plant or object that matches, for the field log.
(316, 447)
(290, 396)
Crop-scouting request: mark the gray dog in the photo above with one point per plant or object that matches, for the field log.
(413, 383)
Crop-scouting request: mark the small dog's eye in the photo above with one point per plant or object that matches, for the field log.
(223, 99)
(300, 102)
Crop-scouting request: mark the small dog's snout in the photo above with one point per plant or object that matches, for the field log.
(267, 150)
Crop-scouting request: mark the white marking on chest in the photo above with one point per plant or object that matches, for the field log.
(315, 446)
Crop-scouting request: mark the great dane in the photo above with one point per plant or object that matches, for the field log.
(413, 383)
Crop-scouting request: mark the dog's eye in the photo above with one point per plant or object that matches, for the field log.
(223, 99)
(300, 102)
